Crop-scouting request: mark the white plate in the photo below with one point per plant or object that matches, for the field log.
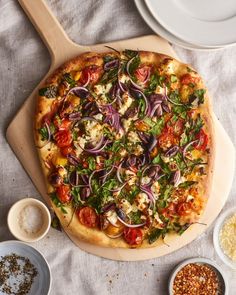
(161, 31)
(220, 222)
(42, 282)
(201, 22)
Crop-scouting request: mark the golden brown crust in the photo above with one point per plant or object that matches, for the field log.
(44, 105)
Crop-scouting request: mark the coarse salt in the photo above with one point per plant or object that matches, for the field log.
(228, 237)
(31, 219)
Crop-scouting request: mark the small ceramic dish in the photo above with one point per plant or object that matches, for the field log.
(42, 281)
(203, 261)
(29, 220)
(218, 226)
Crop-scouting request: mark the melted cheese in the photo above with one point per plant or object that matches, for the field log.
(127, 101)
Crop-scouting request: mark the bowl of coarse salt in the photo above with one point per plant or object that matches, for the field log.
(29, 220)
(224, 237)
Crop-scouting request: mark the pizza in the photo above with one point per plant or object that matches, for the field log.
(126, 144)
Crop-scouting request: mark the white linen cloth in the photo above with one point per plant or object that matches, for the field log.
(23, 62)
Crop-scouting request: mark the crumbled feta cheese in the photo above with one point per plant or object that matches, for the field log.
(150, 212)
(157, 218)
(112, 216)
(189, 198)
(102, 91)
(127, 103)
(145, 180)
(98, 116)
(138, 150)
(133, 137)
(93, 130)
(155, 189)
(62, 171)
(79, 144)
(123, 152)
(126, 123)
(124, 78)
(165, 159)
(125, 206)
(160, 90)
(142, 201)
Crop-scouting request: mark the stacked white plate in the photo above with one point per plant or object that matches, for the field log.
(192, 24)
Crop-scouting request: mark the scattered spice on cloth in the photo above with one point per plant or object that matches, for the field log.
(17, 274)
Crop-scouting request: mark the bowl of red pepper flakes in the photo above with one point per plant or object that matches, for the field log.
(198, 276)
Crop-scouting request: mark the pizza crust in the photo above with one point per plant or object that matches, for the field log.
(72, 225)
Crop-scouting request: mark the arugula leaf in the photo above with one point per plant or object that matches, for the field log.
(91, 163)
(178, 158)
(183, 228)
(130, 53)
(198, 124)
(76, 195)
(109, 76)
(173, 78)
(57, 202)
(56, 223)
(183, 139)
(44, 133)
(135, 217)
(157, 159)
(108, 58)
(49, 92)
(157, 128)
(67, 77)
(197, 97)
(154, 235)
(187, 184)
(132, 194)
(166, 194)
(134, 64)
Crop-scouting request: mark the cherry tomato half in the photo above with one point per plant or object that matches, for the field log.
(202, 140)
(63, 193)
(142, 73)
(166, 139)
(183, 209)
(68, 150)
(87, 216)
(133, 236)
(92, 73)
(63, 124)
(63, 138)
(186, 79)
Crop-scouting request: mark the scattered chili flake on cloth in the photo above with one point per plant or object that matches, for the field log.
(196, 279)
(17, 274)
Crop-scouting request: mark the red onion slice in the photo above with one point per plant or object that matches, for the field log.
(88, 80)
(130, 225)
(176, 178)
(188, 145)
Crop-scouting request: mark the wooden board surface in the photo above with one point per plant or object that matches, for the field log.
(20, 133)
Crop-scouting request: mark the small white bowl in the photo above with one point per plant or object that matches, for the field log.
(219, 223)
(16, 215)
(203, 261)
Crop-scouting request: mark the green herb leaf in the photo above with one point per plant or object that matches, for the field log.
(134, 64)
(173, 78)
(197, 97)
(109, 76)
(67, 77)
(56, 223)
(130, 53)
(157, 159)
(91, 163)
(44, 133)
(57, 202)
(135, 217)
(187, 184)
(49, 92)
(183, 139)
(154, 235)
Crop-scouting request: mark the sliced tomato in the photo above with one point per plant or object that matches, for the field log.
(133, 236)
(169, 211)
(63, 124)
(166, 139)
(186, 79)
(179, 127)
(202, 140)
(91, 73)
(68, 150)
(87, 216)
(63, 193)
(63, 138)
(142, 73)
(183, 209)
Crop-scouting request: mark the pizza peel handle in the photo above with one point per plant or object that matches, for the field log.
(58, 43)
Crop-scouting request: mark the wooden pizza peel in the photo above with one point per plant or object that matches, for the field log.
(20, 133)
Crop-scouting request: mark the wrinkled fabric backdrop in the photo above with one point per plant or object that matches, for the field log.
(24, 60)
